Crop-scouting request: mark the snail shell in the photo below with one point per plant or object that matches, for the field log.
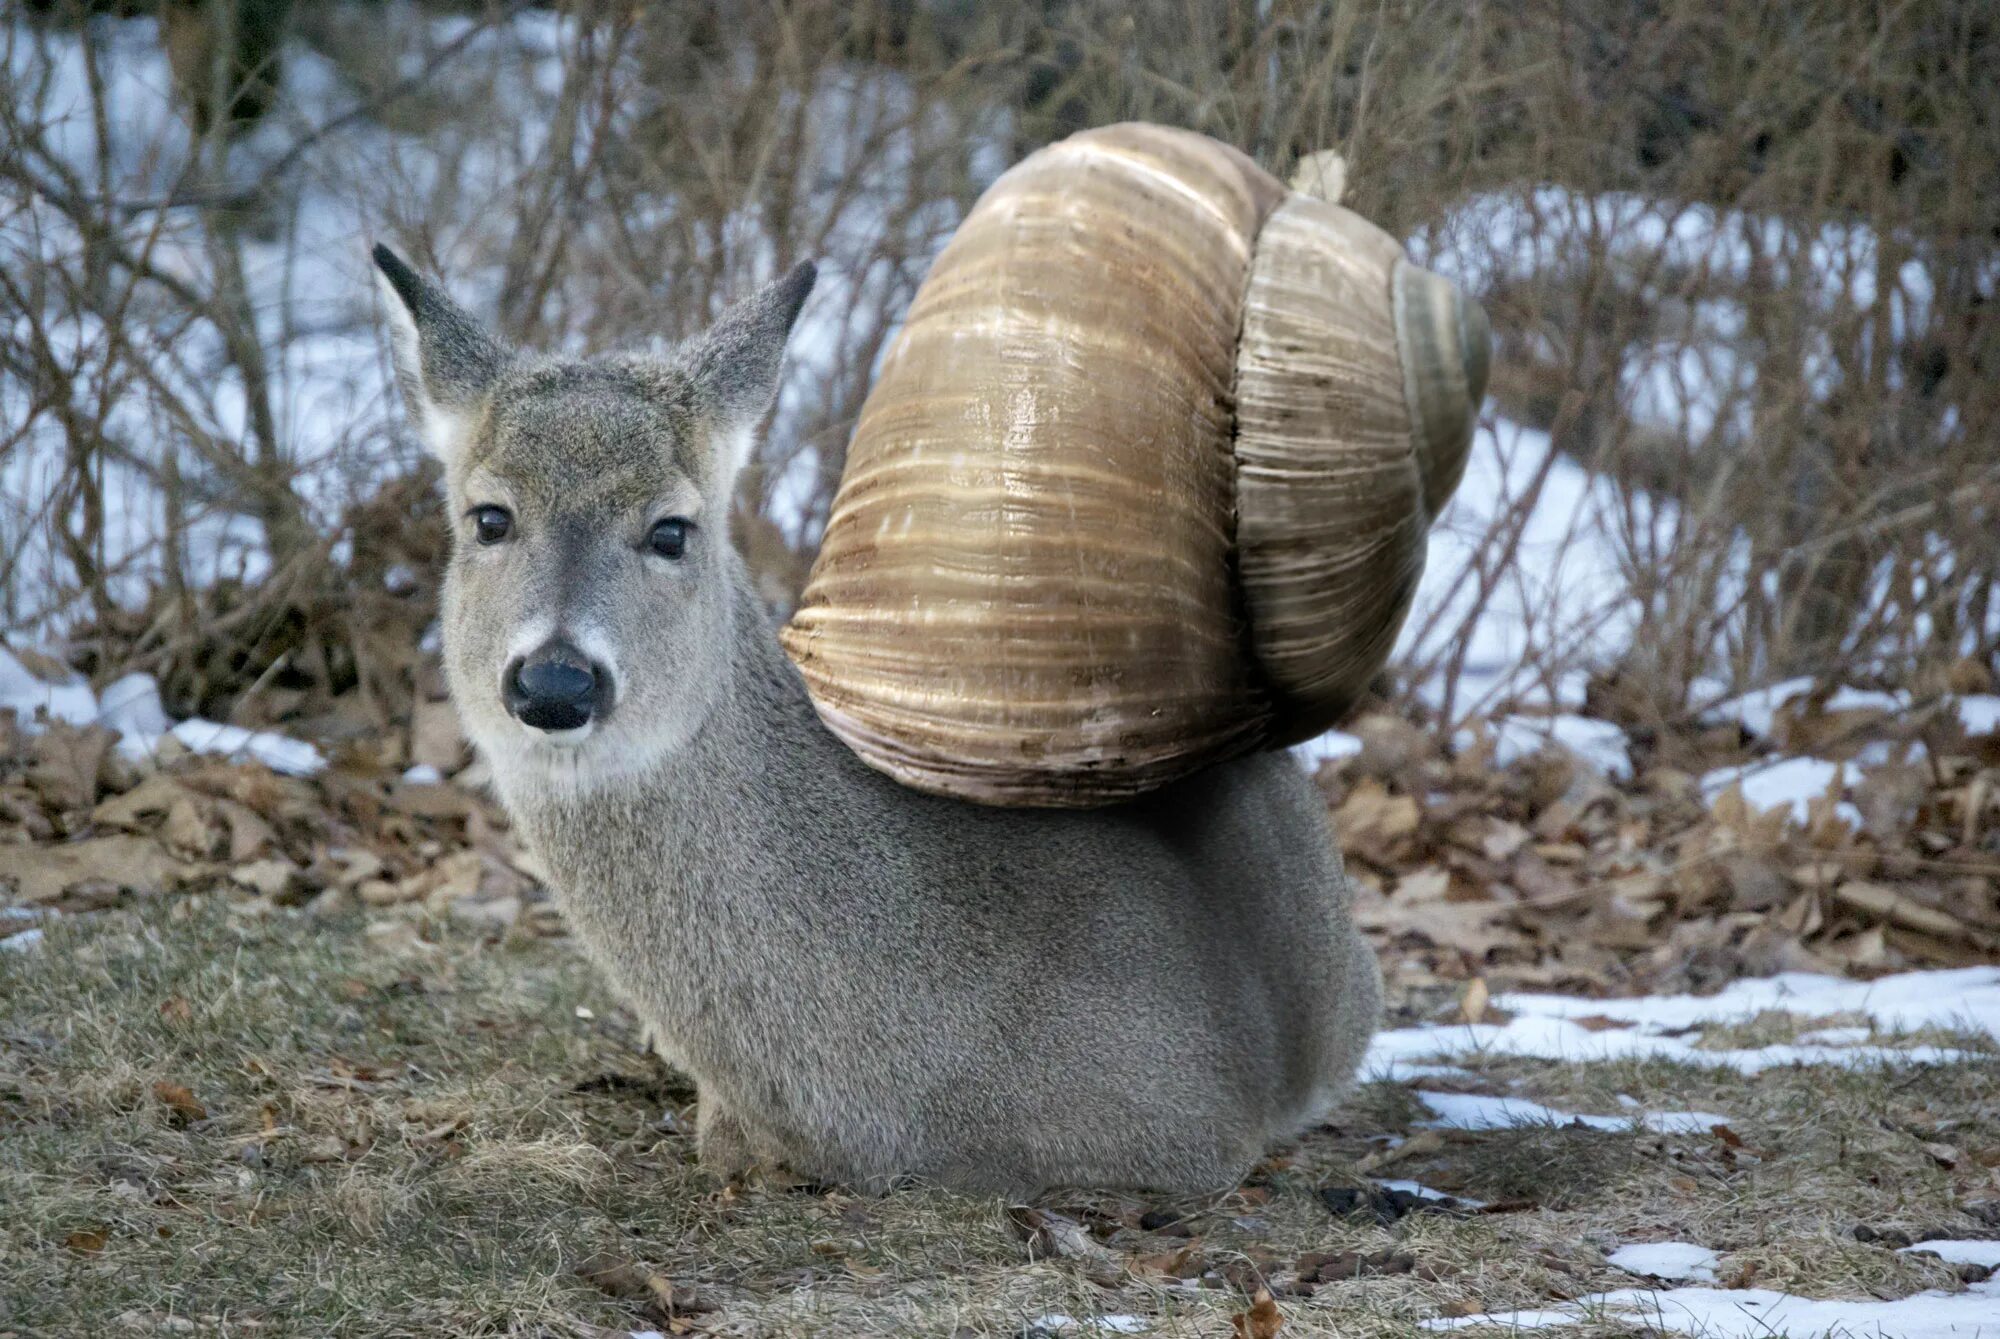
(1144, 481)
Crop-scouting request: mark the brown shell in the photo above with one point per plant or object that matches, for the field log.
(1347, 446)
(1027, 592)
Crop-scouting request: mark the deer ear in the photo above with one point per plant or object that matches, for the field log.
(735, 364)
(445, 360)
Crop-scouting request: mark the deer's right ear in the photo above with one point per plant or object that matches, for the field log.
(445, 360)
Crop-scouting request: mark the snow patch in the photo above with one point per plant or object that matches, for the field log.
(1424, 1192)
(1789, 783)
(1329, 747)
(1674, 1261)
(1757, 709)
(23, 941)
(28, 694)
(1980, 714)
(1965, 999)
(1758, 1313)
(1472, 1111)
(132, 707)
(1601, 744)
(293, 757)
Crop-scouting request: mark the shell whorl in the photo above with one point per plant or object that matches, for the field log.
(1446, 345)
(1145, 480)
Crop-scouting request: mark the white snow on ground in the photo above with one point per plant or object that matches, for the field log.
(131, 706)
(1332, 745)
(1424, 1192)
(1562, 600)
(1866, 699)
(1757, 710)
(1959, 1252)
(1601, 744)
(291, 756)
(1757, 1313)
(1791, 784)
(1554, 1039)
(1674, 1261)
(1471, 1111)
(26, 939)
(1963, 999)
(1980, 714)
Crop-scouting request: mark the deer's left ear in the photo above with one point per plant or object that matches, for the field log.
(446, 362)
(735, 365)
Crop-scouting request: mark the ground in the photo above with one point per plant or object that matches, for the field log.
(219, 1117)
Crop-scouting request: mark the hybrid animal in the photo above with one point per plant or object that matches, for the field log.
(865, 982)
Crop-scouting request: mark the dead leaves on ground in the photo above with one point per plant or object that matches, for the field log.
(662, 1300)
(1544, 874)
(82, 828)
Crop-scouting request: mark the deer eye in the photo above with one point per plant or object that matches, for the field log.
(490, 525)
(668, 538)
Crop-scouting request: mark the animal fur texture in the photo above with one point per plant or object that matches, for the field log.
(866, 983)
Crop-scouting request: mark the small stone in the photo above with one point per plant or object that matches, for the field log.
(332, 902)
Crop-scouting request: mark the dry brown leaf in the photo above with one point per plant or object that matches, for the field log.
(124, 863)
(1472, 1006)
(1185, 1263)
(68, 764)
(1900, 909)
(139, 807)
(1417, 1145)
(1262, 1321)
(1429, 884)
(87, 1240)
(179, 1100)
(1469, 928)
(1050, 1234)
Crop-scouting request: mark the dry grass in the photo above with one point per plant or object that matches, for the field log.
(421, 1133)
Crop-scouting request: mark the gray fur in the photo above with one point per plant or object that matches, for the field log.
(866, 982)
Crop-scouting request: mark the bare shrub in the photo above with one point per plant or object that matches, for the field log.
(1741, 265)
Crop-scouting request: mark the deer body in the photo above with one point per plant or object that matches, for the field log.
(865, 982)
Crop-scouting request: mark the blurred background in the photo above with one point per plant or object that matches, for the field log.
(1729, 525)
(1740, 261)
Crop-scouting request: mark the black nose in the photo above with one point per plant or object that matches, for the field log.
(555, 687)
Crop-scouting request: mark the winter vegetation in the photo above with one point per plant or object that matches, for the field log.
(1676, 814)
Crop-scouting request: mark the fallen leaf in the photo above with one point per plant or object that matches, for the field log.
(176, 1009)
(123, 863)
(88, 1241)
(1262, 1321)
(180, 1100)
(1185, 1263)
(1472, 1007)
(1050, 1234)
(1422, 1142)
(1944, 1155)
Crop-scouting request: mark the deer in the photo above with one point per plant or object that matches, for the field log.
(868, 985)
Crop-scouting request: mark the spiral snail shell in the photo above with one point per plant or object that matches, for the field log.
(1144, 482)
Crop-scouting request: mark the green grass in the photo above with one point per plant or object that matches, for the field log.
(418, 1131)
